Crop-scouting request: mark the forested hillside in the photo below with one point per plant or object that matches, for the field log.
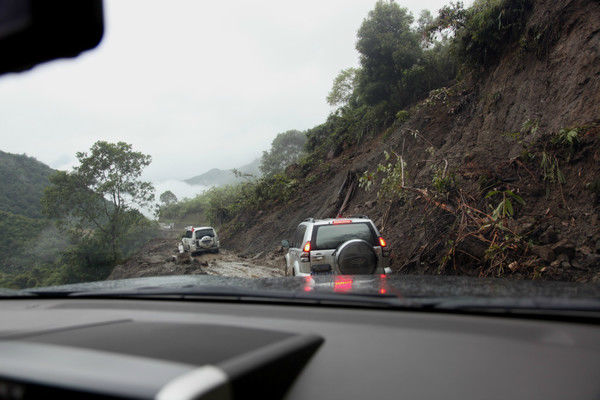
(470, 137)
(22, 182)
(75, 234)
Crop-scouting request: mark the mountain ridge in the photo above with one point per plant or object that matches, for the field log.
(22, 182)
(221, 177)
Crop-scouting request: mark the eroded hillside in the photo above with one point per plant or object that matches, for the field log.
(524, 130)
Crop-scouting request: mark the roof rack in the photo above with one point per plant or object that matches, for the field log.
(309, 220)
(359, 216)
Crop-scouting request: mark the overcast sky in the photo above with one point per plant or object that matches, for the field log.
(195, 84)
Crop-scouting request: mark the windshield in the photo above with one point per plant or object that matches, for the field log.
(331, 236)
(463, 136)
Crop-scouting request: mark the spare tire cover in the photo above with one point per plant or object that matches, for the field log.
(355, 257)
(206, 241)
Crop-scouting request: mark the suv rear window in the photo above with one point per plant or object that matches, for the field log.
(331, 236)
(200, 233)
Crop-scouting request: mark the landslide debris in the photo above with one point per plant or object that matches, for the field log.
(526, 129)
(161, 256)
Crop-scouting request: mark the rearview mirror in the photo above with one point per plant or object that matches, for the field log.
(35, 31)
(285, 244)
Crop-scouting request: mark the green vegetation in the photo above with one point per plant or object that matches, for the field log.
(481, 32)
(443, 181)
(168, 198)
(390, 175)
(220, 205)
(505, 208)
(93, 222)
(22, 182)
(286, 149)
(397, 69)
(16, 231)
(98, 197)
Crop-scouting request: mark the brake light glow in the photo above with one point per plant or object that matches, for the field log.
(341, 221)
(382, 242)
(342, 283)
(306, 248)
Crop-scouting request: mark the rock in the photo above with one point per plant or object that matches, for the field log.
(564, 247)
(565, 264)
(555, 264)
(544, 252)
(513, 266)
(548, 236)
(562, 257)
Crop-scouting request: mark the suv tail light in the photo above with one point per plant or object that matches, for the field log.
(382, 242)
(305, 256)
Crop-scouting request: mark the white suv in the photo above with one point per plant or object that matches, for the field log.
(200, 239)
(344, 246)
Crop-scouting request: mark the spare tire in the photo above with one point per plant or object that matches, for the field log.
(356, 257)
(206, 242)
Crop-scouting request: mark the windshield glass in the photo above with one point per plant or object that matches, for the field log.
(459, 140)
(331, 236)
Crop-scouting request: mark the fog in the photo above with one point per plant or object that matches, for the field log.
(180, 189)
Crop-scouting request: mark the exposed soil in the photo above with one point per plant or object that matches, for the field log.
(550, 78)
(161, 257)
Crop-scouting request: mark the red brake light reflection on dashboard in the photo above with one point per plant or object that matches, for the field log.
(382, 242)
(342, 283)
(341, 221)
(307, 247)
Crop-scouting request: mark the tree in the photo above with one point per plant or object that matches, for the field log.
(343, 88)
(97, 197)
(168, 198)
(388, 47)
(286, 148)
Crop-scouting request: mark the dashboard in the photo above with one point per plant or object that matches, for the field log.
(163, 349)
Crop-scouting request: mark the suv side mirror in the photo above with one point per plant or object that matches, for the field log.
(285, 244)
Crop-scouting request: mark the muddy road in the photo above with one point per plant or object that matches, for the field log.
(160, 257)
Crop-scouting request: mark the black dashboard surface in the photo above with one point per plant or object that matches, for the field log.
(365, 353)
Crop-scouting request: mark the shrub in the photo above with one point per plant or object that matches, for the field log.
(489, 26)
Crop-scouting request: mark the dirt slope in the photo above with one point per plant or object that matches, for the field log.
(548, 81)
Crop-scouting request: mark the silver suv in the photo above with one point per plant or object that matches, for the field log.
(200, 239)
(344, 246)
